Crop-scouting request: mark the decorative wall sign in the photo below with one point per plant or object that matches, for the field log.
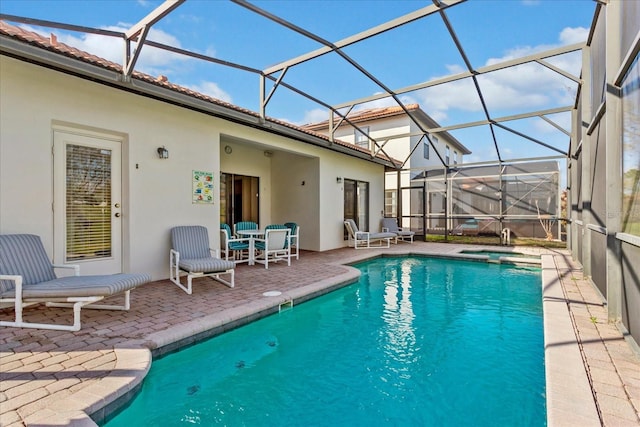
(202, 187)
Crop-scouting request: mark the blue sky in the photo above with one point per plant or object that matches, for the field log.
(490, 31)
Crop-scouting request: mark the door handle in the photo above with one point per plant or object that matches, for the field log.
(117, 214)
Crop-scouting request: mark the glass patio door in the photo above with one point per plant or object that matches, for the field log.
(356, 203)
(239, 198)
(87, 202)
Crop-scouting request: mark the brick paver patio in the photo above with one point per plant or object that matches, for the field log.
(56, 378)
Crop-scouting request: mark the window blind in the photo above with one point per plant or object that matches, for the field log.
(88, 203)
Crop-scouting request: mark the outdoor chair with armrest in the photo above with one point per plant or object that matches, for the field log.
(390, 225)
(28, 277)
(191, 256)
(244, 225)
(294, 237)
(235, 247)
(274, 247)
(365, 239)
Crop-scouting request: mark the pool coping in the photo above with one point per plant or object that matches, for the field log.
(564, 367)
(568, 391)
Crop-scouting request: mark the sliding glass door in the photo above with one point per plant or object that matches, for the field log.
(356, 203)
(239, 198)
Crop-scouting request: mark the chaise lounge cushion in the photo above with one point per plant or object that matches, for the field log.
(81, 286)
(24, 255)
(205, 265)
(391, 226)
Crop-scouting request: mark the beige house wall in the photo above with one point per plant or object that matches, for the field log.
(157, 193)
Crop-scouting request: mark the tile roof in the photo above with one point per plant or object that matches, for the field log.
(368, 114)
(53, 45)
(371, 114)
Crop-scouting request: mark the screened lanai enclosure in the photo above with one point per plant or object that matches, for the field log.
(547, 112)
(521, 200)
(466, 97)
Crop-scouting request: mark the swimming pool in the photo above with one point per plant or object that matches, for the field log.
(417, 341)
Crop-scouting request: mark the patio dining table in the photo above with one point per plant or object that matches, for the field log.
(252, 235)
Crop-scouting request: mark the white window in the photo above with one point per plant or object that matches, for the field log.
(361, 138)
(455, 157)
(425, 149)
(390, 202)
(447, 155)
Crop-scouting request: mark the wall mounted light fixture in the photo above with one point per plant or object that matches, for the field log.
(163, 153)
(339, 180)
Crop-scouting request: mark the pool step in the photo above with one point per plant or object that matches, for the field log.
(285, 305)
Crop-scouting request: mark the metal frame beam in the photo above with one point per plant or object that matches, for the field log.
(520, 134)
(466, 74)
(389, 25)
(139, 31)
(467, 62)
(157, 14)
(53, 24)
(346, 57)
(502, 119)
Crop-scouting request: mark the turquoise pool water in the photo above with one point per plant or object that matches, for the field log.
(416, 342)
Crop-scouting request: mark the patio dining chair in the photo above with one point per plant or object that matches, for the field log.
(191, 255)
(244, 225)
(274, 247)
(294, 237)
(391, 225)
(28, 277)
(235, 247)
(365, 239)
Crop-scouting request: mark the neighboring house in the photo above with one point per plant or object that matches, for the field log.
(401, 138)
(392, 127)
(80, 162)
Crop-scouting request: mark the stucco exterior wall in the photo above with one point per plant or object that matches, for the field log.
(332, 195)
(157, 193)
(296, 185)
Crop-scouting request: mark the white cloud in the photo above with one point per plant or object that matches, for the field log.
(212, 89)
(383, 103)
(314, 116)
(523, 88)
(574, 35)
(210, 51)
(151, 61)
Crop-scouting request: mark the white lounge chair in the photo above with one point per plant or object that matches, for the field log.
(390, 225)
(365, 239)
(27, 277)
(191, 256)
